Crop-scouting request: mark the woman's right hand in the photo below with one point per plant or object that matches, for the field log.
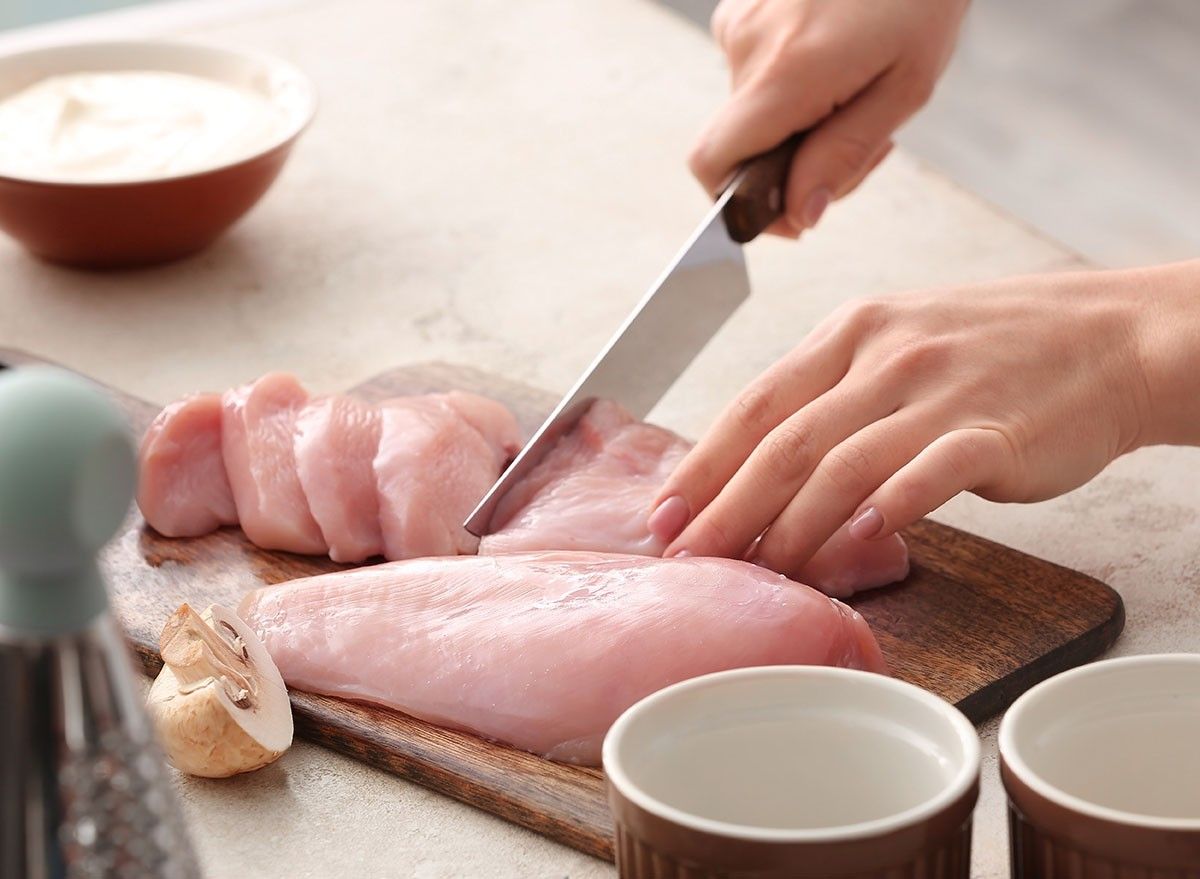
(850, 70)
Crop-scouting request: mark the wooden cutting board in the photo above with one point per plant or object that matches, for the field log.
(975, 622)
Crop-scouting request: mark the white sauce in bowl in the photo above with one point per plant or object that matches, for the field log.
(122, 126)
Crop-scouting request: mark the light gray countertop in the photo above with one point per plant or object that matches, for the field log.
(495, 183)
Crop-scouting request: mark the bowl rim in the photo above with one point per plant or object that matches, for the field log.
(1011, 757)
(958, 787)
(265, 59)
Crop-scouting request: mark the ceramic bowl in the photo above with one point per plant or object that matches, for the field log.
(109, 225)
(794, 771)
(1102, 769)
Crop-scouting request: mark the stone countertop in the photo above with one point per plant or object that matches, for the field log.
(496, 183)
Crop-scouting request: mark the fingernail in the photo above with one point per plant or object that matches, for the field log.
(668, 519)
(680, 554)
(866, 524)
(815, 206)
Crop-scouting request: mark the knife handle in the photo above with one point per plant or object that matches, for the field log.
(757, 200)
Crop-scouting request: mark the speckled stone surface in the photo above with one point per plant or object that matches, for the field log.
(495, 183)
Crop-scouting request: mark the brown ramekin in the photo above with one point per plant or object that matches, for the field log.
(789, 736)
(142, 222)
(1102, 769)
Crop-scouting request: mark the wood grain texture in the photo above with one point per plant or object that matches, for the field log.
(759, 191)
(975, 622)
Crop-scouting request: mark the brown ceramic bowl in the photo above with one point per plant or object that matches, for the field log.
(792, 771)
(140, 222)
(1102, 769)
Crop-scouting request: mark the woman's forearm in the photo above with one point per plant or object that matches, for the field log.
(1169, 346)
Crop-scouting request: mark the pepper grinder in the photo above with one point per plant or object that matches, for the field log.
(84, 791)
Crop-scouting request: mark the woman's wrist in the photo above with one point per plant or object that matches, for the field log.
(1166, 305)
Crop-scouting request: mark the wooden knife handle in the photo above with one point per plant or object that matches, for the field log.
(758, 191)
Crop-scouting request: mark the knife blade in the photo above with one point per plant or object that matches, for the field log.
(692, 298)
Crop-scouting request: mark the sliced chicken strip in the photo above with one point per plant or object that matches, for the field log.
(258, 438)
(182, 487)
(493, 420)
(335, 444)
(431, 469)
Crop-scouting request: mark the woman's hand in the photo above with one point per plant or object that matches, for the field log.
(854, 69)
(1016, 391)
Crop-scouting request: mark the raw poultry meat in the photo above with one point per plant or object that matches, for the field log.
(543, 650)
(335, 443)
(493, 420)
(846, 565)
(328, 475)
(257, 437)
(182, 486)
(432, 467)
(594, 489)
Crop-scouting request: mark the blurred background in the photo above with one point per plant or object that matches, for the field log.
(16, 13)
(1079, 117)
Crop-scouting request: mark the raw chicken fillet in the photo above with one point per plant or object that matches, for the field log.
(432, 467)
(182, 487)
(543, 650)
(594, 491)
(335, 445)
(331, 475)
(258, 437)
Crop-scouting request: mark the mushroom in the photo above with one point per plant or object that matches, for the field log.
(219, 704)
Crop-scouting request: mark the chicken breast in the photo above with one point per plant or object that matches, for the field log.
(846, 565)
(431, 468)
(182, 487)
(543, 651)
(335, 444)
(493, 420)
(594, 490)
(331, 475)
(258, 428)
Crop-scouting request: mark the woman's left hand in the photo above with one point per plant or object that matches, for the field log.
(1016, 391)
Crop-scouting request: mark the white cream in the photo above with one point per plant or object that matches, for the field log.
(131, 125)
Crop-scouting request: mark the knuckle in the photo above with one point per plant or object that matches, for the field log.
(732, 20)
(910, 493)
(779, 64)
(966, 455)
(916, 86)
(710, 533)
(920, 356)
(699, 160)
(850, 155)
(959, 459)
(752, 410)
(848, 469)
(787, 450)
(864, 317)
(733, 33)
(784, 546)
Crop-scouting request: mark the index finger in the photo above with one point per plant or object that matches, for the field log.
(794, 381)
(758, 116)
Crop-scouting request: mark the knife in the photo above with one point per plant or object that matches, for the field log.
(693, 297)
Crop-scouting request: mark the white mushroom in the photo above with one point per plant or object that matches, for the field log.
(219, 704)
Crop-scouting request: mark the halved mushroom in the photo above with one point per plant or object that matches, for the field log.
(219, 704)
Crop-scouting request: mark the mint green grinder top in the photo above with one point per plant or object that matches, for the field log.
(67, 474)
